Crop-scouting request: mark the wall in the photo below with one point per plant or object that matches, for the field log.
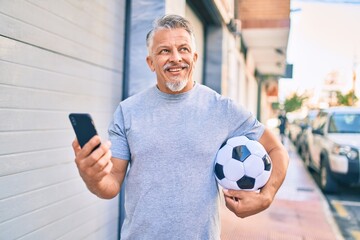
(56, 57)
(198, 28)
(251, 84)
(140, 76)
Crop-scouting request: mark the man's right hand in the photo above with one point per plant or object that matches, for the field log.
(102, 174)
(93, 165)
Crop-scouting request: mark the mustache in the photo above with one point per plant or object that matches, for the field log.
(181, 65)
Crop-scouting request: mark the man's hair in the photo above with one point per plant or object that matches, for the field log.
(169, 22)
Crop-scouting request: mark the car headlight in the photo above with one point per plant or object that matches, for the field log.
(348, 151)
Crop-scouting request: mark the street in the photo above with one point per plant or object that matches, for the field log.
(345, 207)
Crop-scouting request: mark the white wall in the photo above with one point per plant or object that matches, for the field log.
(56, 57)
(175, 7)
(232, 67)
(199, 41)
(251, 84)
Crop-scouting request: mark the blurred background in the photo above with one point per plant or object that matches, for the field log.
(298, 57)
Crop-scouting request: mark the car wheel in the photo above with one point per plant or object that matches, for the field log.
(327, 182)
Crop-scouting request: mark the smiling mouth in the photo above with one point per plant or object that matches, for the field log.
(175, 69)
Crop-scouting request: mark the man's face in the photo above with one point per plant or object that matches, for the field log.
(172, 57)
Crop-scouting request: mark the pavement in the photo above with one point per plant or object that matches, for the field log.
(299, 211)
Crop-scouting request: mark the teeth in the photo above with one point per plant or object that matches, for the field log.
(174, 69)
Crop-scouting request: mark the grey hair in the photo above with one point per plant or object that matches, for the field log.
(169, 22)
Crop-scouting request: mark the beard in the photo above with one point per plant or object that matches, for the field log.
(176, 84)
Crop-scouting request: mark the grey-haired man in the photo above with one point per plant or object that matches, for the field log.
(169, 135)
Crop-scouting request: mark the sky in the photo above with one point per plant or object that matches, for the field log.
(324, 37)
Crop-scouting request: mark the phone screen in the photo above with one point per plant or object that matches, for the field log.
(84, 127)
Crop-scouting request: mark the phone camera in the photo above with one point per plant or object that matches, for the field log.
(73, 121)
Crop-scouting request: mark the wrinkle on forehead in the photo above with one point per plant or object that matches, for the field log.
(172, 37)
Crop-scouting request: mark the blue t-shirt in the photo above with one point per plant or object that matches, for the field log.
(171, 141)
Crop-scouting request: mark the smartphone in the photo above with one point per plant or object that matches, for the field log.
(84, 127)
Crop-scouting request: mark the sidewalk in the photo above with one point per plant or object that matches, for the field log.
(299, 211)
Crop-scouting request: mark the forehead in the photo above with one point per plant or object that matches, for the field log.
(177, 36)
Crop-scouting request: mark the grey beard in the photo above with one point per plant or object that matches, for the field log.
(177, 86)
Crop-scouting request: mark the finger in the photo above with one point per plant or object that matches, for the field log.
(108, 167)
(76, 146)
(230, 193)
(92, 161)
(83, 158)
(231, 203)
(89, 146)
(99, 153)
(103, 161)
(236, 193)
(226, 192)
(106, 170)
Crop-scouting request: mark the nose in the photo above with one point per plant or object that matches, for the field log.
(175, 56)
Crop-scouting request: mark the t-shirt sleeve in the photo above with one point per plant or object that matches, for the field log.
(245, 123)
(117, 136)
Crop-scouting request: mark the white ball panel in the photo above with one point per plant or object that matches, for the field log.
(256, 148)
(237, 141)
(224, 154)
(262, 179)
(254, 166)
(233, 170)
(227, 184)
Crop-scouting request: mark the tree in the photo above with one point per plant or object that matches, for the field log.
(294, 102)
(348, 99)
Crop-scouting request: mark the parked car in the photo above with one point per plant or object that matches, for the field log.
(302, 143)
(294, 129)
(299, 128)
(334, 146)
(294, 126)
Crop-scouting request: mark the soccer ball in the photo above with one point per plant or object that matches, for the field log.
(242, 164)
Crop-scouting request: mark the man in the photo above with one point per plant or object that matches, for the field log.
(282, 125)
(170, 134)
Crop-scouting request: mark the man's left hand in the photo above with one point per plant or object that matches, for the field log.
(246, 203)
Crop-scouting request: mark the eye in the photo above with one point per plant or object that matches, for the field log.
(163, 51)
(184, 49)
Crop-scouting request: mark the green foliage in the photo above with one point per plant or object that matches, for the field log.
(294, 102)
(348, 99)
(275, 105)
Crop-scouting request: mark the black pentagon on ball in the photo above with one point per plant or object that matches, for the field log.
(222, 145)
(240, 153)
(219, 172)
(267, 162)
(246, 182)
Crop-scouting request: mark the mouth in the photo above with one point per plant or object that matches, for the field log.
(178, 69)
(175, 69)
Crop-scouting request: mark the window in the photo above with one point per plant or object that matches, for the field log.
(344, 123)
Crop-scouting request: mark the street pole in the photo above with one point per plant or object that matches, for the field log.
(259, 99)
(354, 81)
(353, 87)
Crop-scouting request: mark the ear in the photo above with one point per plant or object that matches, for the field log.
(195, 57)
(150, 63)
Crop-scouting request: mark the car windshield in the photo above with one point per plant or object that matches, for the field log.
(345, 123)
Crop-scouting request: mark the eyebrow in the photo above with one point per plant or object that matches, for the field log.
(167, 46)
